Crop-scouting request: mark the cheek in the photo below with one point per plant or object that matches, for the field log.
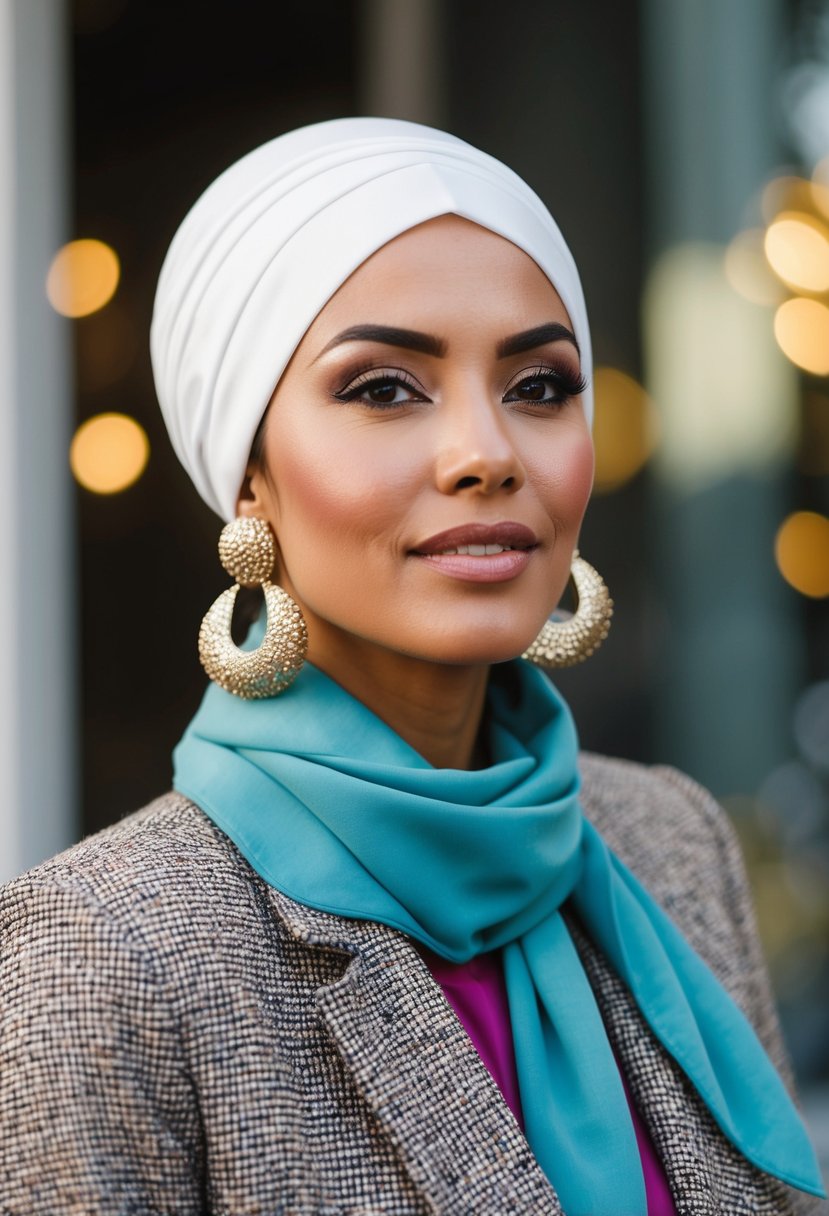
(317, 500)
(564, 476)
(580, 477)
(337, 489)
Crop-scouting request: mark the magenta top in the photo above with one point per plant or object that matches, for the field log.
(477, 993)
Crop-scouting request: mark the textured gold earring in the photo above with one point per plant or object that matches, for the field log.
(247, 552)
(566, 643)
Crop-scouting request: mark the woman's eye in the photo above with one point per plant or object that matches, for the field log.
(387, 392)
(546, 386)
(534, 390)
(380, 391)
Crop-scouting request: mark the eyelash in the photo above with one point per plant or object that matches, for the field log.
(566, 382)
(372, 377)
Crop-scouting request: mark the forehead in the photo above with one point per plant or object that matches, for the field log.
(440, 272)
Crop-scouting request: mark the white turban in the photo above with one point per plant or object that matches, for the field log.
(271, 240)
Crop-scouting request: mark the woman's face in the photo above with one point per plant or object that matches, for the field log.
(433, 406)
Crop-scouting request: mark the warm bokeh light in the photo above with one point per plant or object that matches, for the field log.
(726, 398)
(747, 269)
(801, 549)
(820, 198)
(82, 278)
(108, 453)
(797, 247)
(801, 328)
(786, 194)
(623, 429)
(820, 185)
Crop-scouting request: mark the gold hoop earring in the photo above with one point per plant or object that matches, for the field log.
(566, 643)
(247, 552)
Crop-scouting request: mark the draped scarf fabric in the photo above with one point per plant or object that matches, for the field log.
(334, 809)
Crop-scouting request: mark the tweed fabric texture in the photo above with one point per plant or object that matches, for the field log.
(178, 1037)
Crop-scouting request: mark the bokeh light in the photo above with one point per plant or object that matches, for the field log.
(801, 328)
(787, 193)
(782, 835)
(811, 725)
(747, 269)
(801, 549)
(108, 453)
(82, 278)
(820, 184)
(820, 197)
(726, 398)
(797, 247)
(798, 800)
(624, 428)
(780, 920)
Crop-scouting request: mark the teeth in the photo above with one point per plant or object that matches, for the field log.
(477, 550)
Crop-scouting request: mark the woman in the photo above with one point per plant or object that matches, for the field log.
(389, 918)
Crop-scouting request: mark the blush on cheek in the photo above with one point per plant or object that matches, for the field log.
(329, 510)
(582, 468)
(566, 479)
(307, 466)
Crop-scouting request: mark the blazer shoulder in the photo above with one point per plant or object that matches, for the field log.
(656, 818)
(678, 841)
(153, 866)
(609, 781)
(672, 833)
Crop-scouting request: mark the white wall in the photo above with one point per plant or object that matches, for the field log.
(37, 599)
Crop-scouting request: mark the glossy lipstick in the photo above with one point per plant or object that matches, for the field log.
(490, 553)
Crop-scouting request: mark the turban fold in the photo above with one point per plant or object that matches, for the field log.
(271, 240)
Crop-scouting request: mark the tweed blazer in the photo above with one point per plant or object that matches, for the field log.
(177, 1037)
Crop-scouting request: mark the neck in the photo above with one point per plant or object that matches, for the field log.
(434, 707)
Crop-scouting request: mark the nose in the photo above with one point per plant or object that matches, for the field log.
(476, 453)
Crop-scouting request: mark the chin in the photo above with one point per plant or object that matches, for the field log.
(475, 651)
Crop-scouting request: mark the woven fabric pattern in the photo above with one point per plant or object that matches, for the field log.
(176, 1037)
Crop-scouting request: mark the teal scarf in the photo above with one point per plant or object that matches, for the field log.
(334, 809)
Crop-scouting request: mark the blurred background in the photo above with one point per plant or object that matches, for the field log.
(683, 146)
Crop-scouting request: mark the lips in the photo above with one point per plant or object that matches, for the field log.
(479, 540)
(479, 553)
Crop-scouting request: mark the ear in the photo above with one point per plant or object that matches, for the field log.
(255, 495)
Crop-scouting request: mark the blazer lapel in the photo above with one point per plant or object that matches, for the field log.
(418, 1070)
(706, 1174)
(416, 1066)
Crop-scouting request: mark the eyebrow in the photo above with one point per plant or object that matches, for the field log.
(429, 344)
(552, 331)
(410, 339)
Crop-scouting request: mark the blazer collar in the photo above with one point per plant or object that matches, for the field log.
(416, 1066)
